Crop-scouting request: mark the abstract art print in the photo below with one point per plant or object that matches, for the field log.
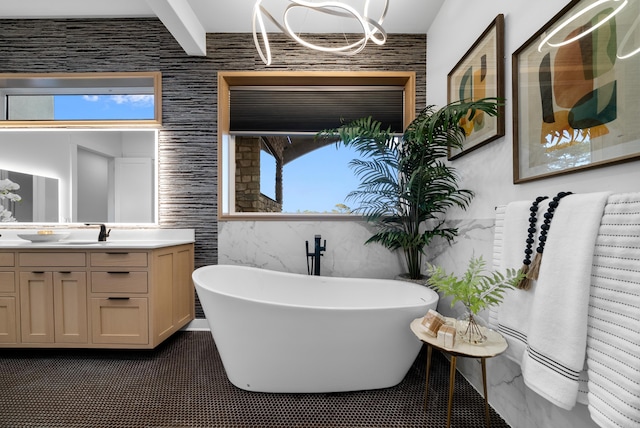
(576, 91)
(480, 74)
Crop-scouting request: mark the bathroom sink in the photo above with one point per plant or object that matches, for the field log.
(38, 237)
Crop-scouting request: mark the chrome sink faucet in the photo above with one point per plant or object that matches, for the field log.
(104, 234)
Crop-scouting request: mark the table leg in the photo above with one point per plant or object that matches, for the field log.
(426, 382)
(484, 385)
(452, 378)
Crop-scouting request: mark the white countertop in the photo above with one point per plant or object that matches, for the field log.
(79, 239)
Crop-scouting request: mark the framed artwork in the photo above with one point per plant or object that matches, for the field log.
(480, 74)
(576, 88)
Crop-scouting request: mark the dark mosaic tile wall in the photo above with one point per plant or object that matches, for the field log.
(187, 152)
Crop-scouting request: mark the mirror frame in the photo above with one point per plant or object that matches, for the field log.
(228, 79)
(48, 80)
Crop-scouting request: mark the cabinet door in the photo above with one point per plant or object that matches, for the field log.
(70, 307)
(173, 298)
(8, 320)
(184, 298)
(120, 320)
(163, 302)
(36, 307)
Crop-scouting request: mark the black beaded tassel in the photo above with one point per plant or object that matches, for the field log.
(525, 283)
(544, 229)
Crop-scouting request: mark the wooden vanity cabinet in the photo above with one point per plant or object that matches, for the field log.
(95, 299)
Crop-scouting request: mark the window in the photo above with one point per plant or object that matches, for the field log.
(80, 99)
(312, 176)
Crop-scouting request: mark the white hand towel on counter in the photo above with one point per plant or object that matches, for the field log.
(557, 330)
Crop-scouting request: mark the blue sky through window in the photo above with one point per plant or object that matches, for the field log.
(319, 180)
(103, 107)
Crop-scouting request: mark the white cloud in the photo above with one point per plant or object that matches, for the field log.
(91, 98)
(139, 100)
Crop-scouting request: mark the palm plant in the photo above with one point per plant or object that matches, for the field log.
(406, 186)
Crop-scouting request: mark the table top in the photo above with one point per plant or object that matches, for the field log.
(495, 344)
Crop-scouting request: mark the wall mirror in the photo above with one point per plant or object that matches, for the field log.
(93, 175)
(80, 99)
(271, 164)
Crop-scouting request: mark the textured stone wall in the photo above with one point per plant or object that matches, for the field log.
(247, 173)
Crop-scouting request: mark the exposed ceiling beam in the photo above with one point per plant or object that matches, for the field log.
(182, 23)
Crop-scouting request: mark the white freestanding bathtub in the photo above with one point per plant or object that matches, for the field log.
(283, 332)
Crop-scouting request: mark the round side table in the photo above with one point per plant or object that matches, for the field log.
(495, 345)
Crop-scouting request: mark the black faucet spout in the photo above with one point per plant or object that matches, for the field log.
(104, 233)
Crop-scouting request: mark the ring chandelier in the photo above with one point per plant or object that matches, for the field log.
(371, 29)
(589, 30)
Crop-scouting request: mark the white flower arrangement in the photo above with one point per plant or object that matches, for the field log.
(7, 188)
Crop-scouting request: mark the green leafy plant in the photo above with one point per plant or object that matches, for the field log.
(406, 185)
(476, 289)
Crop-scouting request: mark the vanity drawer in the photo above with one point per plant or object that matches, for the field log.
(119, 259)
(7, 282)
(120, 320)
(119, 282)
(7, 259)
(52, 259)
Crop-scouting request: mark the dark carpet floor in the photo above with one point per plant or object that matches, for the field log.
(182, 384)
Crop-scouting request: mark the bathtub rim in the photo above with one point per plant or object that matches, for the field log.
(405, 284)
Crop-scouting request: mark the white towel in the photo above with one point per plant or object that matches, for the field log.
(613, 328)
(557, 335)
(514, 312)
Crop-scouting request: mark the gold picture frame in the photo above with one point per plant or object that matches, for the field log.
(576, 90)
(480, 74)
